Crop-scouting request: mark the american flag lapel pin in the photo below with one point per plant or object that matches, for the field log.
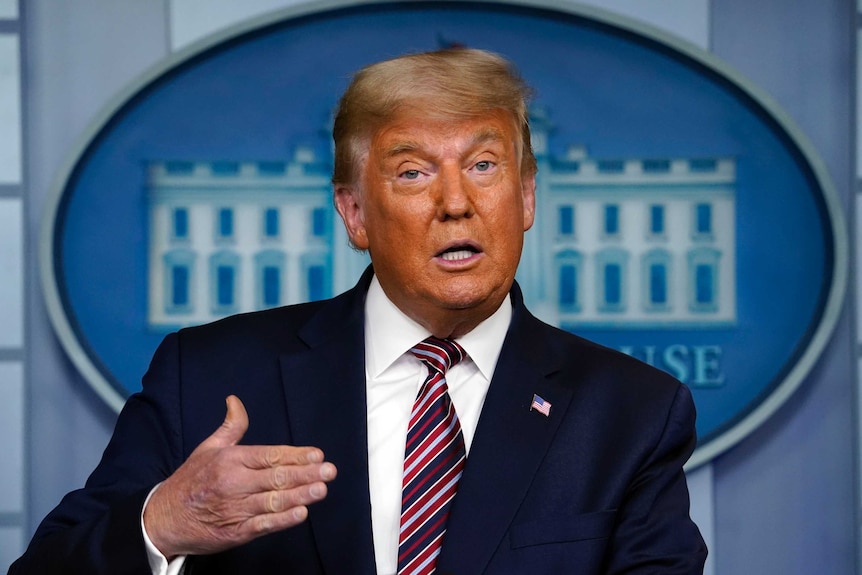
(540, 405)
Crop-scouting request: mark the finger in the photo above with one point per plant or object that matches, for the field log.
(267, 456)
(252, 482)
(286, 477)
(272, 522)
(233, 427)
(286, 499)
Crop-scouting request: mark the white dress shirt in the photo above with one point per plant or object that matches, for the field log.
(393, 377)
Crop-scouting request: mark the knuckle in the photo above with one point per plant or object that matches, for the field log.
(279, 477)
(272, 456)
(273, 502)
(263, 524)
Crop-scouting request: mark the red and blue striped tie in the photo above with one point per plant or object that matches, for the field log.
(433, 461)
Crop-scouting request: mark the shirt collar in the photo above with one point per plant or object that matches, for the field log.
(389, 334)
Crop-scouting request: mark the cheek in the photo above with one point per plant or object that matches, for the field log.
(402, 217)
(396, 236)
(507, 231)
(508, 219)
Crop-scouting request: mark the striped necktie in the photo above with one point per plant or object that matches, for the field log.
(433, 461)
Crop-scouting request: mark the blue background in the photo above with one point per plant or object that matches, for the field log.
(257, 97)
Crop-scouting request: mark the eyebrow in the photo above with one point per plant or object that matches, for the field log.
(402, 147)
(480, 136)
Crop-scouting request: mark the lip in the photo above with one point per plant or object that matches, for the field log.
(454, 248)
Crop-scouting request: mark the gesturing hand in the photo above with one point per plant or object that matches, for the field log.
(226, 494)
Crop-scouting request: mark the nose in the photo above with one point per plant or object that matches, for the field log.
(453, 199)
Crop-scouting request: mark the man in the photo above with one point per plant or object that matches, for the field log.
(574, 452)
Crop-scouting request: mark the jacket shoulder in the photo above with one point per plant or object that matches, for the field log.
(592, 364)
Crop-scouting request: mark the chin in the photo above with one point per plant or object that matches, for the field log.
(469, 297)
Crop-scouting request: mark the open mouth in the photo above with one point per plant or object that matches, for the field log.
(458, 253)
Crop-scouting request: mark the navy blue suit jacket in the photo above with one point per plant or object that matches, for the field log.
(595, 487)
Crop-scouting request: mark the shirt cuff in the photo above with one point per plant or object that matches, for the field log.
(159, 564)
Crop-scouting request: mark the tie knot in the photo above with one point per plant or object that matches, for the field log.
(439, 354)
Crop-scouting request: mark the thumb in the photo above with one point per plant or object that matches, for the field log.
(233, 427)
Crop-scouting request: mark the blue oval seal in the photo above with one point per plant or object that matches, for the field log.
(683, 218)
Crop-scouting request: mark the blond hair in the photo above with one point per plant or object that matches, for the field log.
(457, 83)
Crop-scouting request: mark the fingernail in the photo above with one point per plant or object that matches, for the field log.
(316, 491)
(314, 456)
(327, 471)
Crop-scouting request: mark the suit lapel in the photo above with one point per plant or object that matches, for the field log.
(509, 445)
(325, 392)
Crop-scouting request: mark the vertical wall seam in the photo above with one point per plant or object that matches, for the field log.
(26, 271)
(853, 301)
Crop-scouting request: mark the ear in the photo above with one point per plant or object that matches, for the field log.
(348, 202)
(528, 193)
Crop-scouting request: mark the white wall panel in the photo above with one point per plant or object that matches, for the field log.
(858, 106)
(192, 20)
(700, 489)
(12, 437)
(11, 546)
(11, 270)
(857, 263)
(9, 9)
(10, 111)
(688, 19)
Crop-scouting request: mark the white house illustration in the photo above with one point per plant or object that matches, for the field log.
(630, 242)
(228, 237)
(617, 242)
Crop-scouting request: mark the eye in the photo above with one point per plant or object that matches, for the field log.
(483, 166)
(410, 174)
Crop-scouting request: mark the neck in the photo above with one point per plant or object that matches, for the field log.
(453, 323)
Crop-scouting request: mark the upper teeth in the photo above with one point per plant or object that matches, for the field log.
(458, 255)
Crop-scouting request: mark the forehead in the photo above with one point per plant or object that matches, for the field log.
(415, 130)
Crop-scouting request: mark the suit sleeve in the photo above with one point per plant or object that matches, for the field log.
(96, 530)
(654, 533)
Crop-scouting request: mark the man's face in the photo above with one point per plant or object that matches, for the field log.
(442, 208)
